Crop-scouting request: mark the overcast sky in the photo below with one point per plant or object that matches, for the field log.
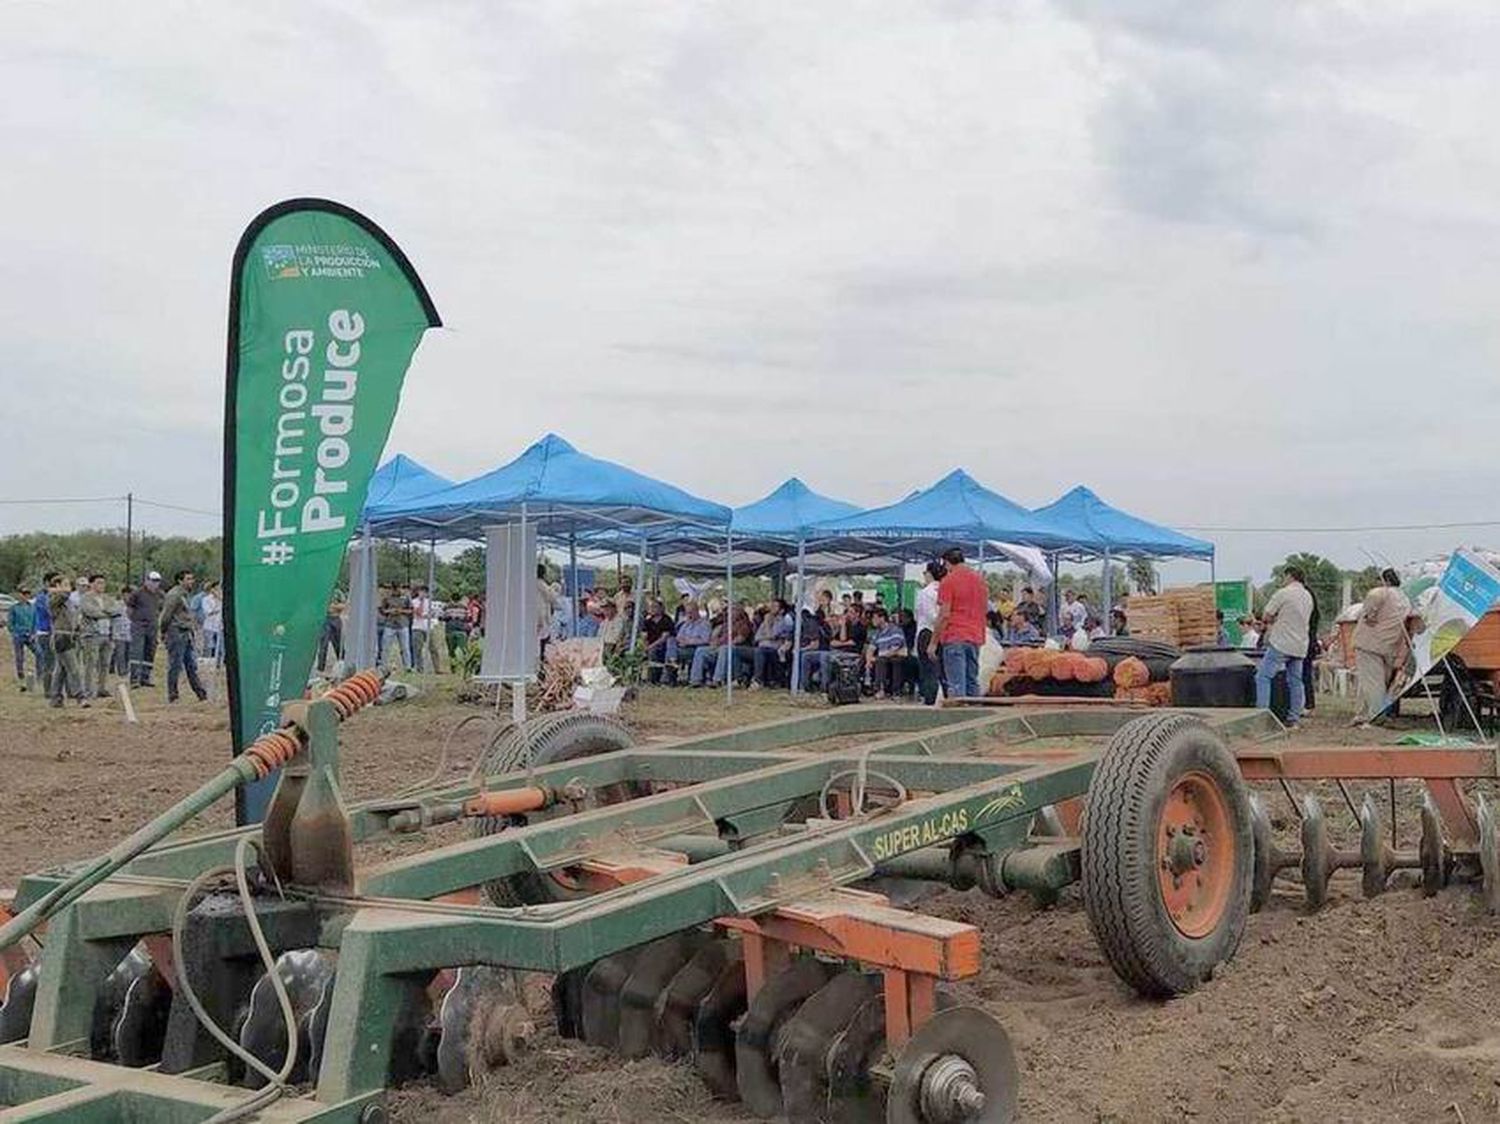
(1231, 265)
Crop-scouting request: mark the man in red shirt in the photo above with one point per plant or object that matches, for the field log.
(963, 600)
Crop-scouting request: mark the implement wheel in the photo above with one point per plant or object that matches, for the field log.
(1168, 856)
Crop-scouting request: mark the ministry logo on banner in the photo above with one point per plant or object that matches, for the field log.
(346, 261)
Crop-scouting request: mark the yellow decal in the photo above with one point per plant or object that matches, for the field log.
(924, 834)
(1012, 797)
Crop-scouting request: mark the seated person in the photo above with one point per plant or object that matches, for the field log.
(814, 653)
(705, 655)
(1118, 624)
(692, 634)
(773, 642)
(849, 632)
(735, 655)
(1022, 630)
(886, 656)
(661, 638)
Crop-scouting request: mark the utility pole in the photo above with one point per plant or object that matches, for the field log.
(129, 530)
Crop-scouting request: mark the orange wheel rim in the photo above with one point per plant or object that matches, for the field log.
(1195, 854)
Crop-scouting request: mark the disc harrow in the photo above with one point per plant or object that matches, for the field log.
(728, 902)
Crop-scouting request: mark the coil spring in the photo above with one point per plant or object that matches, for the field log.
(271, 751)
(360, 689)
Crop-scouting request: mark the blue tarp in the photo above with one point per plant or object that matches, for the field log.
(789, 512)
(956, 510)
(560, 489)
(1096, 526)
(402, 480)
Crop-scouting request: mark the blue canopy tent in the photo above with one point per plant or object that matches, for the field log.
(1103, 531)
(401, 480)
(561, 492)
(957, 510)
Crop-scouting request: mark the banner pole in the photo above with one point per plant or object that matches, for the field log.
(797, 615)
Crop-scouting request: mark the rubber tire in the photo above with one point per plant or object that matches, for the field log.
(1121, 891)
(555, 738)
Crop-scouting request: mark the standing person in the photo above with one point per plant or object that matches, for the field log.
(67, 673)
(926, 646)
(177, 630)
(437, 634)
(145, 611)
(1309, 686)
(21, 620)
(963, 600)
(421, 626)
(211, 605)
(41, 634)
(95, 645)
(1380, 645)
(1286, 615)
(332, 635)
(119, 635)
(546, 603)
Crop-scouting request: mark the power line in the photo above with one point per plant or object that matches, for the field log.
(83, 499)
(177, 507)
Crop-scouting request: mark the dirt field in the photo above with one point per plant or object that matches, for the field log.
(1367, 1011)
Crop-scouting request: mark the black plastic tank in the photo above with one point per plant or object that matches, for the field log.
(1213, 677)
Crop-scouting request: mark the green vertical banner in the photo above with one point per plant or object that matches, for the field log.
(325, 312)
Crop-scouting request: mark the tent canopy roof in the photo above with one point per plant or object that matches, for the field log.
(401, 480)
(559, 488)
(957, 509)
(791, 511)
(1098, 526)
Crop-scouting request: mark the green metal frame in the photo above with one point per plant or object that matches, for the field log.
(391, 938)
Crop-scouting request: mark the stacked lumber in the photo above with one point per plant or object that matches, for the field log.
(1184, 616)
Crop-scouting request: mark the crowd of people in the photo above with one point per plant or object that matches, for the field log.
(72, 633)
(888, 652)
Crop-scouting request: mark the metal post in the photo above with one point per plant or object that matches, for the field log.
(431, 570)
(129, 530)
(1053, 595)
(729, 617)
(797, 607)
(573, 570)
(640, 595)
(1107, 585)
(524, 631)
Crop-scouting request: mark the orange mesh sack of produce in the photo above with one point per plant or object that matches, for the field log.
(1039, 662)
(999, 680)
(1015, 660)
(1065, 666)
(1132, 672)
(1090, 669)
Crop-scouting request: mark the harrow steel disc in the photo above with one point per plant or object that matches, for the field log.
(1317, 853)
(1374, 850)
(600, 1015)
(481, 1024)
(1434, 861)
(654, 969)
(853, 1097)
(16, 1004)
(713, 1028)
(1489, 852)
(806, 1042)
(755, 1044)
(130, 1015)
(959, 1068)
(677, 1006)
(304, 973)
(1264, 844)
(567, 1001)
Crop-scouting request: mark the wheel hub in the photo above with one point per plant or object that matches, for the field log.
(1195, 851)
(950, 1091)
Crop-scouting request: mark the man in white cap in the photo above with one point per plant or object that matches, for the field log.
(144, 607)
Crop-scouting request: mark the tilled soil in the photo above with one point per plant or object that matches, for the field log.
(1378, 1010)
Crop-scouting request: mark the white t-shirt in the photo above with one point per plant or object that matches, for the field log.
(1249, 638)
(1077, 612)
(927, 606)
(213, 613)
(421, 614)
